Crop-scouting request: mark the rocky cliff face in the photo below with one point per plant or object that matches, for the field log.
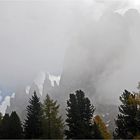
(21, 99)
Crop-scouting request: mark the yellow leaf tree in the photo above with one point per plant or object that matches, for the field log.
(105, 134)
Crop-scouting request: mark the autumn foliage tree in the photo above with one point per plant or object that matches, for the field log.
(53, 125)
(101, 131)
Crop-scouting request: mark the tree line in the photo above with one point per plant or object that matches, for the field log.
(43, 120)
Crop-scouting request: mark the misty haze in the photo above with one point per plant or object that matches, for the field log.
(74, 52)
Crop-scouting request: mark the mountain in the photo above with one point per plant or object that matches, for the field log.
(97, 62)
(20, 101)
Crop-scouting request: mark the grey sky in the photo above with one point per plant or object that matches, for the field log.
(35, 34)
(32, 39)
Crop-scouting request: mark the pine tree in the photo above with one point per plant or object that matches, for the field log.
(79, 115)
(15, 127)
(136, 101)
(52, 124)
(1, 117)
(33, 122)
(126, 121)
(5, 125)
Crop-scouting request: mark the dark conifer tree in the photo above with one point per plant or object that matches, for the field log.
(1, 117)
(15, 127)
(52, 124)
(79, 116)
(126, 121)
(33, 122)
(5, 125)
